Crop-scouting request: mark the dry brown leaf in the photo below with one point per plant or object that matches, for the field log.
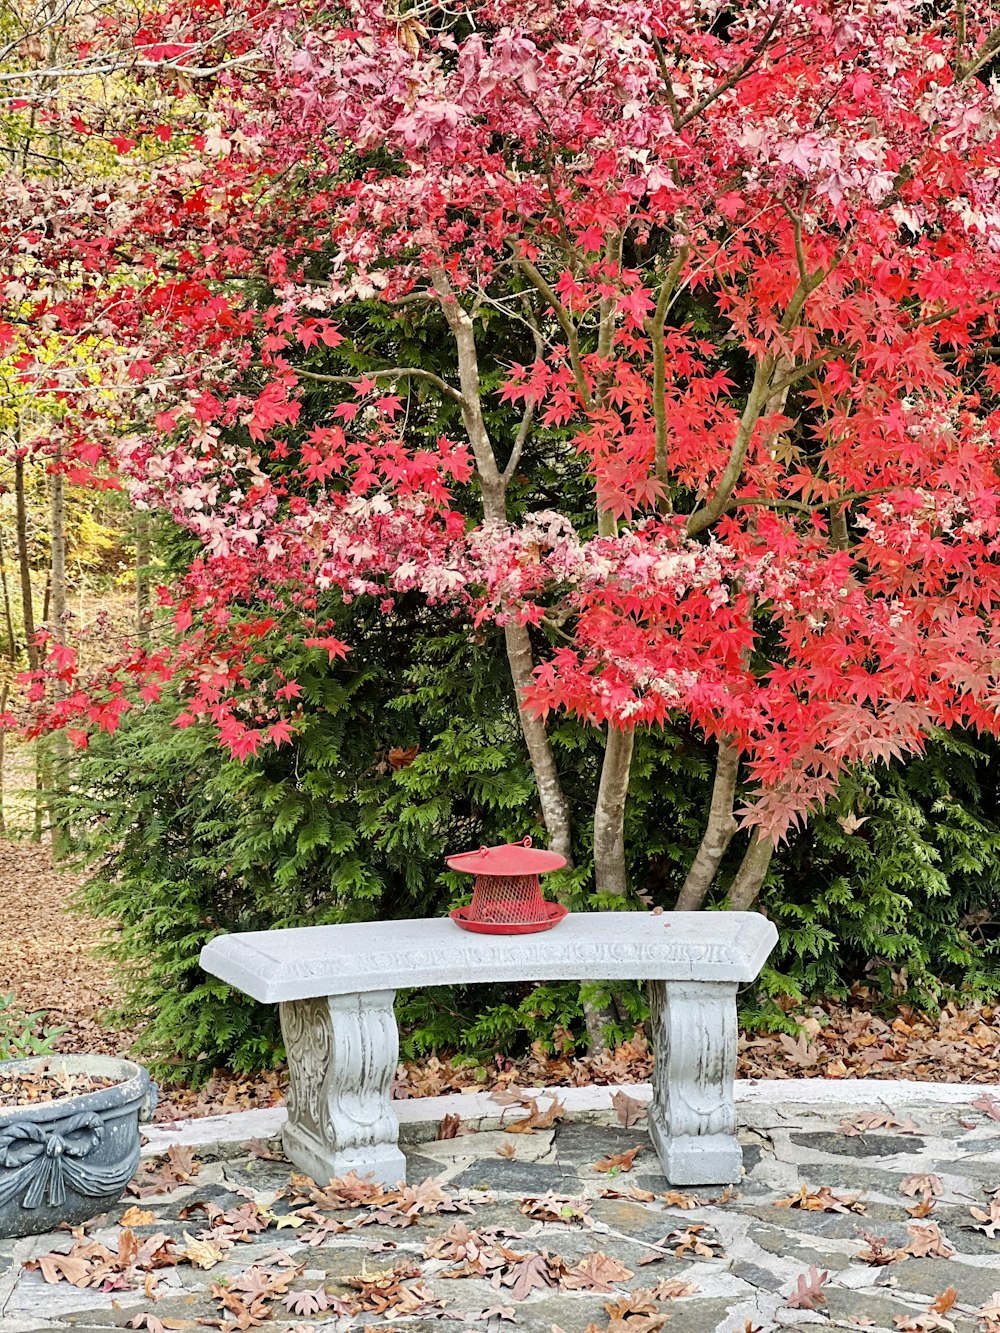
(696, 1240)
(536, 1118)
(875, 1252)
(449, 1126)
(137, 1217)
(986, 1222)
(312, 1301)
(628, 1109)
(633, 1192)
(618, 1161)
(204, 1253)
(507, 1150)
(927, 1242)
(864, 1124)
(635, 1313)
(524, 1275)
(672, 1289)
(822, 1200)
(926, 1184)
(675, 1199)
(945, 1302)
(596, 1272)
(555, 1208)
(808, 1292)
(988, 1104)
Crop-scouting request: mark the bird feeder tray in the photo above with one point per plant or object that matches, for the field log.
(507, 896)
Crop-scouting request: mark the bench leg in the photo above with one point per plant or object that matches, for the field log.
(342, 1056)
(692, 1119)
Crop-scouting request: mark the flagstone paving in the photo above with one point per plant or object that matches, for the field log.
(735, 1271)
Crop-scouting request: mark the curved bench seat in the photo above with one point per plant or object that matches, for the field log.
(336, 986)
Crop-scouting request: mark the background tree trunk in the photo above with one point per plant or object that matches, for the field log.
(57, 624)
(142, 557)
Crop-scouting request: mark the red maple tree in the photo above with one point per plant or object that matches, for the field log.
(753, 253)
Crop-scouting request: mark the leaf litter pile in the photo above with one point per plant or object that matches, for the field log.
(43, 1083)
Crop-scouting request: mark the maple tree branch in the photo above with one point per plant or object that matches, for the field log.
(733, 77)
(528, 418)
(654, 327)
(390, 372)
(989, 47)
(714, 508)
(720, 828)
(761, 392)
(804, 506)
(566, 324)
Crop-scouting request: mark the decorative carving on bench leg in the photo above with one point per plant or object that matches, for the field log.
(692, 1120)
(342, 1057)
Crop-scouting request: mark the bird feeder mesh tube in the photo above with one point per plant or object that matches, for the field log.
(507, 900)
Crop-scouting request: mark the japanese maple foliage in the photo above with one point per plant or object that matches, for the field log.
(753, 253)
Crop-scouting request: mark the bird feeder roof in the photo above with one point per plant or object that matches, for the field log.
(512, 858)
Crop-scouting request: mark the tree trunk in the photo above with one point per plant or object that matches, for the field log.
(7, 610)
(493, 487)
(142, 556)
(552, 798)
(751, 875)
(57, 626)
(609, 814)
(719, 831)
(24, 564)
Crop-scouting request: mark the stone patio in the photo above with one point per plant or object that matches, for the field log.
(757, 1249)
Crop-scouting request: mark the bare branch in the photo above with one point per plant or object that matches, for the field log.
(390, 372)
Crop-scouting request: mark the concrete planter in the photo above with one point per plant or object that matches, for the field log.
(67, 1160)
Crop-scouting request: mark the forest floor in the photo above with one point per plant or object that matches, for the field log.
(47, 962)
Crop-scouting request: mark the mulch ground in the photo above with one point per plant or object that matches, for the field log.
(47, 962)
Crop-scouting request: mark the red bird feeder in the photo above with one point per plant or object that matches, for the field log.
(507, 896)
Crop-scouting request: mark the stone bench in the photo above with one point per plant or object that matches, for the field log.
(335, 986)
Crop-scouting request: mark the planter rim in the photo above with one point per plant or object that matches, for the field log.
(131, 1085)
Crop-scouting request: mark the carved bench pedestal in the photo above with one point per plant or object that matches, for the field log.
(342, 1056)
(692, 1120)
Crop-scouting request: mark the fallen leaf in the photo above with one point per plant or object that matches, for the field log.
(619, 1161)
(507, 1150)
(137, 1217)
(927, 1242)
(313, 1301)
(536, 1119)
(864, 1124)
(946, 1301)
(449, 1126)
(673, 1288)
(530, 1271)
(876, 1253)
(674, 1199)
(555, 1208)
(597, 1272)
(987, 1223)
(204, 1253)
(628, 1109)
(988, 1104)
(927, 1184)
(822, 1200)
(808, 1294)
